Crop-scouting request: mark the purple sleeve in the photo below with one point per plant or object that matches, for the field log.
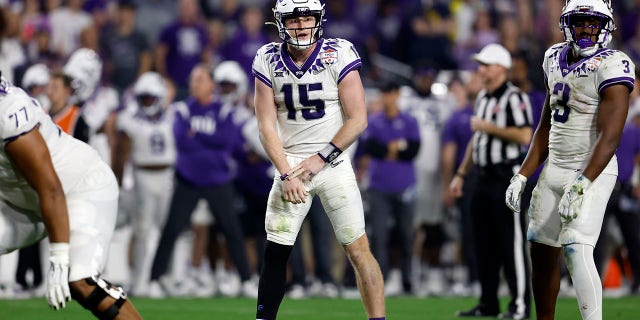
(448, 134)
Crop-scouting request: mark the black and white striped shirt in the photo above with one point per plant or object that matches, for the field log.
(506, 107)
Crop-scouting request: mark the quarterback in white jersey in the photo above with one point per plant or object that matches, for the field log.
(146, 140)
(310, 107)
(52, 184)
(588, 88)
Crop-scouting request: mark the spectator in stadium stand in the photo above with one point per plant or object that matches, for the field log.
(181, 46)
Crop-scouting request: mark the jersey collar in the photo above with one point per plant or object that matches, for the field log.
(565, 68)
(293, 68)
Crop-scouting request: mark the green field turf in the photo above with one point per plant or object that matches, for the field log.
(308, 309)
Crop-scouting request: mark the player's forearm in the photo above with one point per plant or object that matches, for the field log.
(55, 215)
(274, 149)
(538, 152)
(350, 131)
(603, 151)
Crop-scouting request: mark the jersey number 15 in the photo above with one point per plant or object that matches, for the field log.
(315, 108)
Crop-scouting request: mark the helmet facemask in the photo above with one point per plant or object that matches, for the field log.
(149, 104)
(291, 35)
(587, 28)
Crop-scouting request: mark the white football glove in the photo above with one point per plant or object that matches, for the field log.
(571, 201)
(512, 196)
(58, 278)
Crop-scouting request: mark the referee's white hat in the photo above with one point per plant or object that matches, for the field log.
(493, 53)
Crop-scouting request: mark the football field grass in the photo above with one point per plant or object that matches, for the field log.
(306, 309)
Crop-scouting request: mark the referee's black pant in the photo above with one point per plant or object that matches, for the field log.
(500, 241)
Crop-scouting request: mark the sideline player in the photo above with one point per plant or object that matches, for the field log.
(145, 136)
(588, 88)
(310, 107)
(52, 184)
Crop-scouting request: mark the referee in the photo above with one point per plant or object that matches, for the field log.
(501, 126)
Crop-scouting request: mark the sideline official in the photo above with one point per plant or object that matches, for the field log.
(501, 126)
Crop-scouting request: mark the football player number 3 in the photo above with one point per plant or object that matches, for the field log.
(561, 113)
(316, 106)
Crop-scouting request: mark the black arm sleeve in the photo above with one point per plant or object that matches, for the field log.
(375, 149)
(413, 146)
(81, 131)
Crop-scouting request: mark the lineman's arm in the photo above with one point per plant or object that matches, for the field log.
(267, 121)
(30, 156)
(539, 148)
(612, 114)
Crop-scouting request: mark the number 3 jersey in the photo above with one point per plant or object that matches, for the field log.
(574, 92)
(306, 97)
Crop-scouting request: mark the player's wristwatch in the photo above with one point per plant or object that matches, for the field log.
(329, 153)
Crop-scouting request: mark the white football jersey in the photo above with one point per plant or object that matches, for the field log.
(95, 112)
(306, 97)
(432, 113)
(152, 140)
(71, 158)
(574, 100)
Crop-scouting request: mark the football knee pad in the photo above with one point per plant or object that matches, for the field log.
(102, 289)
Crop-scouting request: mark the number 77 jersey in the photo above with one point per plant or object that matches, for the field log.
(308, 106)
(574, 92)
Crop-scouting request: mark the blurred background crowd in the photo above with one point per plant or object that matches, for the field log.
(416, 55)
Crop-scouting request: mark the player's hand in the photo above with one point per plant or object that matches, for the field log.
(571, 201)
(293, 191)
(307, 169)
(58, 278)
(514, 191)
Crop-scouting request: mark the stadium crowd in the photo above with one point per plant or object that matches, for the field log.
(416, 57)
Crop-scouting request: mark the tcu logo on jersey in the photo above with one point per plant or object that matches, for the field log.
(203, 124)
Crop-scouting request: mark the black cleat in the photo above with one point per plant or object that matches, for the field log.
(478, 311)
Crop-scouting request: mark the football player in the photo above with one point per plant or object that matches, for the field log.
(588, 88)
(97, 102)
(310, 106)
(52, 184)
(145, 137)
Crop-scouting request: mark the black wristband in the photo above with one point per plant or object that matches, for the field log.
(284, 176)
(329, 153)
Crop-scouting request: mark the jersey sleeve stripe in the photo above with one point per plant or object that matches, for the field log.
(356, 64)
(262, 78)
(625, 81)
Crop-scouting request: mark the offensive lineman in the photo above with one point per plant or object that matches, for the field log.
(588, 88)
(52, 184)
(310, 107)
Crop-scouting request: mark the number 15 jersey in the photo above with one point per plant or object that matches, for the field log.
(574, 92)
(306, 97)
